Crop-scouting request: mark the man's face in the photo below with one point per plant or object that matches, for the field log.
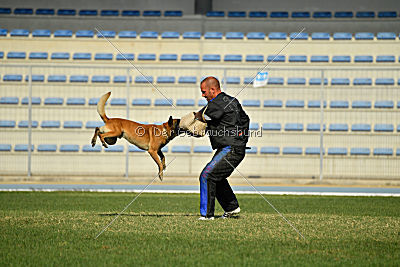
(206, 92)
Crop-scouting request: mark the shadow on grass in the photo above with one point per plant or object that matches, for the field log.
(149, 215)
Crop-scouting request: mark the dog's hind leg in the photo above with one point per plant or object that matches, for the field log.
(96, 133)
(155, 157)
(162, 157)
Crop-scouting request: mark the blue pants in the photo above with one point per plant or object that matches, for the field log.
(213, 182)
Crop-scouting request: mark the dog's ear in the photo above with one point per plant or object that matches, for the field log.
(170, 121)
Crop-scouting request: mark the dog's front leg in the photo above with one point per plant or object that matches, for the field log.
(154, 155)
(162, 157)
(96, 133)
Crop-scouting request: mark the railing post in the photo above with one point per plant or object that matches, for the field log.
(321, 130)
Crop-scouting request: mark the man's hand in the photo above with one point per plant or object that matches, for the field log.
(198, 116)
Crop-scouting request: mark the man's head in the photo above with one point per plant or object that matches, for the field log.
(210, 88)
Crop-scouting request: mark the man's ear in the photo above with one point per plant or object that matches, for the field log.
(170, 121)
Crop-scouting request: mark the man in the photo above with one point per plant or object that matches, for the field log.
(227, 127)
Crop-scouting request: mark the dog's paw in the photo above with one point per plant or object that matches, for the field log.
(105, 145)
(93, 142)
(161, 175)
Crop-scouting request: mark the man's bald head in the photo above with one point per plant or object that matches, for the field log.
(211, 82)
(210, 88)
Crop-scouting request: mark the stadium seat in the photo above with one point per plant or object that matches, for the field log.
(5, 10)
(298, 127)
(100, 79)
(76, 101)
(93, 124)
(360, 151)
(387, 14)
(47, 148)
(189, 57)
(257, 14)
(248, 80)
(166, 79)
(315, 127)
(338, 127)
(315, 104)
(78, 79)
(215, 14)
(106, 34)
(12, 78)
(232, 80)
(254, 126)
(143, 79)
(35, 101)
(141, 102)
(114, 148)
(361, 104)
(50, 124)
(163, 102)
(54, 101)
(341, 59)
(41, 33)
(295, 103)
(384, 104)
(398, 152)
(320, 36)
(271, 126)
(385, 59)
(383, 151)
(180, 149)
(233, 58)
(292, 151)
(23, 148)
(322, 14)
(84, 34)
(82, 56)
(35, 78)
(185, 102)
(277, 36)
(151, 13)
(255, 36)
(234, 35)
(384, 81)
(130, 13)
(270, 150)
(118, 102)
(339, 104)
(341, 151)
(344, 14)
(365, 14)
(237, 14)
(254, 58)
(368, 59)
(272, 103)
(298, 36)
(149, 35)
(88, 12)
(103, 56)
(109, 13)
(298, 58)
(276, 58)
(300, 14)
(9, 100)
(69, 148)
(73, 124)
(3, 32)
(191, 35)
(135, 149)
(202, 149)
(342, 36)
(173, 13)
(364, 36)
(25, 124)
(170, 35)
(147, 56)
(127, 34)
(201, 102)
(213, 35)
(7, 124)
(275, 80)
(66, 12)
(16, 55)
(19, 33)
(60, 55)
(23, 11)
(38, 55)
(316, 58)
(211, 57)
(125, 56)
(89, 148)
(187, 79)
(5, 147)
(57, 78)
(340, 81)
(279, 14)
(296, 81)
(386, 36)
(383, 128)
(252, 150)
(362, 81)
(251, 103)
(314, 151)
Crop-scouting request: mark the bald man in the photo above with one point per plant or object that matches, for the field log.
(227, 128)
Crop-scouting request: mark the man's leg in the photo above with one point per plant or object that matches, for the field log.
(225, 196)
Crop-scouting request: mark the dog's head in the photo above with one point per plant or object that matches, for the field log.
(174, 127)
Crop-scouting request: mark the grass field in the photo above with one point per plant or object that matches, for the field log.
(162, 229)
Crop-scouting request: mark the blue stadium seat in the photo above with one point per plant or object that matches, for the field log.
(16, 55)
(276, 58)
(315, 104)
(12, 78)
(340, 151)
(69, 148)
(19, 33)
(23, 148)
(254, 126)
(211, 57)
(202, 102)
(151, 13)
(344, 14)
(78, 79)
(292, 151)
(277, 36)
(296, 81)
(189, 57)
(213, 35)
(9, 100)
(100, 79)
(114, 148)
(270, 150)
(384, 81)
(385, 58)
(322, 14)
(130, 13)
(89, 148)
(366, 58)
(251, 103)
(271, 126)
(47, 148)
(3, 32)
(272, 103)
(87, 12)
(252, 150)
(109, 13)
(185, 102)
(340, 81)
(53, 101)
(143, 79)
(398, 152)
(383, 151)
(23, 11)
(121, 79)
(386, 36)
(384, 104)
(233, 58)
(387, 14)
(320, 36)
(295, 103)
(361, 104)
(163, 102)
(7, 124)
(191, 35)
(118, 102)
(257, 14)
(125, 56)
(254, 58)
(365, 14)
(173, 13)
(255, 36)
(76, 101)
(25, 124)
(233, 80)
(38, 55)
(300, 14)
(338, 127)
(314, 151)
(342, 36)
(187, 79)
(66, 12)
(84, 34)
(298, 58)
(384, 128)
(298, 127)
(5, 147)
(35, 78)
(35, 101)
(316, 58)
(341, 59)
(127, 34)
(82, 56)
(339, 104)
(147, 56)
(149, 34)
(57, 78)
(166, 79)
(1, 54)
(141, 102)
(50, 124)
(41, 33)
(135, 149)
(234, 35)
(298, 36)
(73, 124)
(170, 35)
(106, 34)
(275, 80)
(360, 151)
(279, 14)
(60, 55)
(362, 81)
(364, 36)
(103, 56)
(248, 80)
(180, 149)
(5, 10)
(315, 127)
(93, 124)
(215, 14)
(237, 14)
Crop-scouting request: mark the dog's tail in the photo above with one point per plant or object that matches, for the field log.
(100, 106)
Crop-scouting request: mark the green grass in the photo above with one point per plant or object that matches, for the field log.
(40, 229)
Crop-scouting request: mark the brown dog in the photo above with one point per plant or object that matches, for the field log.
(148, 137)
